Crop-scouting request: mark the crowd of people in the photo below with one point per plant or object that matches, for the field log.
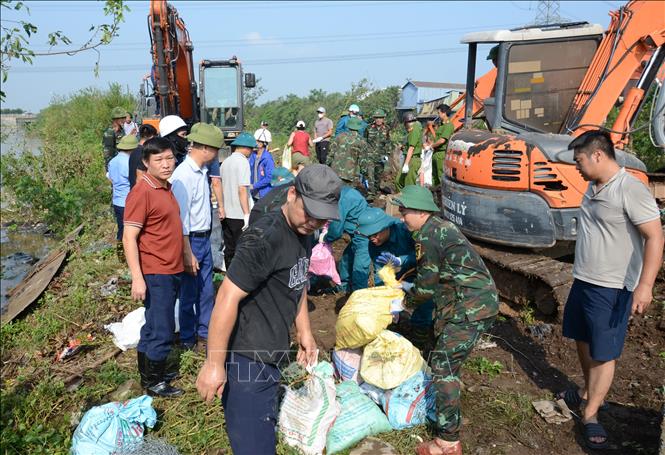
(271, 217)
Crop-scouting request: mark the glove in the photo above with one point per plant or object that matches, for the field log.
(389, 258)
(322, 236)
(317, 140)
(405, 169)
(407, 287)
(245, 221)
(396, 306)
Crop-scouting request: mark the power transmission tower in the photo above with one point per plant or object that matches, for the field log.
(548, 12)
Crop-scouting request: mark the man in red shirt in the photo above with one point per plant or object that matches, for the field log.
(153, 245)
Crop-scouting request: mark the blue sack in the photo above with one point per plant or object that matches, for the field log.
(114, 426)
(410, 403)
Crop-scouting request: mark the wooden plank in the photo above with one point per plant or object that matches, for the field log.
(32, 286)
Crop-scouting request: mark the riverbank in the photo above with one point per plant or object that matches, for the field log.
(42, 400)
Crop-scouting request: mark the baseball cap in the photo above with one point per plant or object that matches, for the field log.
(300, 124)
(321, 110)
(319, 187)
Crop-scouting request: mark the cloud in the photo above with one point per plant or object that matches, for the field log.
(256, 39)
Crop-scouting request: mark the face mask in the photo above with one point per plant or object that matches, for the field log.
(179, 144)
(320, 115)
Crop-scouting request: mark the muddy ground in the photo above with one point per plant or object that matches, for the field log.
(496, 410)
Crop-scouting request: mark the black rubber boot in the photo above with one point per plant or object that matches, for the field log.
(157, 386)
(172, 365)
(140, 360)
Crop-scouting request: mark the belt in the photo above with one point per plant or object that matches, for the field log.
(200, 234)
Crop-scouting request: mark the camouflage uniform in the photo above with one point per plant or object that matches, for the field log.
(109, 141)
(348, 156)
(378, 139)
(452, 273)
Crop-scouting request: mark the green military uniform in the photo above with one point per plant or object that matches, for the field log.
(444, 131)
(413, 139)
(452, 273)
(378, 139)
(348, 155)
(112, 137)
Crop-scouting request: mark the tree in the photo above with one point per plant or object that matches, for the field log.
(16, 36)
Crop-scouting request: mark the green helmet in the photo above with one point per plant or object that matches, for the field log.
(416, 197)
(118, 112)
(128, 142)
(494, 53)
(354, 124)
(379, 113)
(244, 139)
(206, 134)
(374, 220)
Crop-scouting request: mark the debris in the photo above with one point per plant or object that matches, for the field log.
(110, 288)
(73, 347)
(540, 330)
(294, 375)
(556, 412)
(485, 344)
(126, 334)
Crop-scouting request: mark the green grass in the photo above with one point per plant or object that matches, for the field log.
(484, 367)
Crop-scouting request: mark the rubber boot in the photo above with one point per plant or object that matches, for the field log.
(140, 360)
(157, 386)
(172, 365)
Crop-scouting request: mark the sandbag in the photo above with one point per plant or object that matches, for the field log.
(390, 360)
(322, 262)
(113, 427)
(410, 403)
(347, 364)
(365, 314)
(359, 417)
(373, 392)
(307, 413)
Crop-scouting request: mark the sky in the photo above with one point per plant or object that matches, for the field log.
(291, 46)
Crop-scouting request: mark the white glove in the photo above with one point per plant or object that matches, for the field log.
(407, 287)
(396, 306)
(317, 140)
(405, 169)
(245, 220)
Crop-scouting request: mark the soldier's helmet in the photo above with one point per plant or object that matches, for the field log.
(409, 117)
(379, 113)
(354, 124)
(118, 112)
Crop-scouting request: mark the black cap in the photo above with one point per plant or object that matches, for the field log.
(319, 187)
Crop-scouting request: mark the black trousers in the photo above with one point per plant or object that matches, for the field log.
(322, 151)
(231, 229)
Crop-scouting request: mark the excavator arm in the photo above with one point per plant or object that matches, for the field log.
(632, 48)
(173, 67)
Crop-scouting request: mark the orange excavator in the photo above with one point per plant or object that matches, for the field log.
(513, 187)
(171, 87)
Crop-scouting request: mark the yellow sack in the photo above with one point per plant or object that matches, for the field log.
(365, 315)
(390, 360)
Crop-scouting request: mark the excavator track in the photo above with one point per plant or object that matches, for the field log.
(528, 278)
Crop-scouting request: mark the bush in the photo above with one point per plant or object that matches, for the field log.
(66, 181)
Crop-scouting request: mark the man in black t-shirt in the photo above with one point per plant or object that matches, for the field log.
(272, 201)
(263, 294)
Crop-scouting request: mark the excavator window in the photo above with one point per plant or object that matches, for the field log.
(542, 79)
(221, 97)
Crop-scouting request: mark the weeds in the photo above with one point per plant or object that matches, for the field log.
(528, 315)
(484, 367)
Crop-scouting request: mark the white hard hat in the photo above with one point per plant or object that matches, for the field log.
(300, 124)
(354, 108)
(263, 135)
(169, 124)
(321, 110)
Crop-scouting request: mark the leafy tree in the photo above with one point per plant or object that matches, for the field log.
(16, 36)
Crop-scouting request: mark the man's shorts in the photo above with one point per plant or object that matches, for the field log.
(598, 316)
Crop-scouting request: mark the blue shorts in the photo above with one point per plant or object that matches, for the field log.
(598, 316)
(250, 405)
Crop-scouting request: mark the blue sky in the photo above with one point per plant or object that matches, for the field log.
(292, 47)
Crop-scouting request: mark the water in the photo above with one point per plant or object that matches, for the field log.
(19, 248)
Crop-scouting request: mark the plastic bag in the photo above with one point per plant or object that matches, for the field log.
(307, 413)
(425, 172)
(347, 364)
(322, 262)
(411, 403)
(365, 315)
(390, 360)
(286, 157)
(372, 391)
(126, 334)
(113, 427)
(360, 417)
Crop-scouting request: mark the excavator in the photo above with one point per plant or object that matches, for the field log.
(510, 181)
(171, 87)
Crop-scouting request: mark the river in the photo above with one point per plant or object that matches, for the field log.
(20, 247)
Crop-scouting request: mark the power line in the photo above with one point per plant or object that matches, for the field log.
(257, 62)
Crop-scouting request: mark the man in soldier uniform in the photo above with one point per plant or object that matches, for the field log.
(414, 147)
(113, 133)
(450, 272)
(378, 139)
(349, 154)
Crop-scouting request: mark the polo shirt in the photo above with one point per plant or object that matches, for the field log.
(119, 176)
(192, 191)
(152, 208)
(610, 249)
(235, 173)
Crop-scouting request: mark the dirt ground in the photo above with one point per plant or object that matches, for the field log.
(536, 368)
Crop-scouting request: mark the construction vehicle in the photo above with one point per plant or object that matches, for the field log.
(171, 87)
(513, 187)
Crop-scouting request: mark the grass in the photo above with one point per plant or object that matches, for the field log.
(484, 367)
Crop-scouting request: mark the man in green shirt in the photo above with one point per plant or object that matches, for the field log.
(443, 133)
(378, 138)
(414, 144)
(113, 134)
